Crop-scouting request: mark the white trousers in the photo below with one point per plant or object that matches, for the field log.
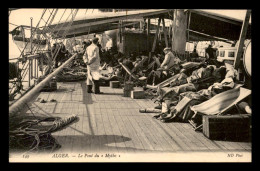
(92, 74)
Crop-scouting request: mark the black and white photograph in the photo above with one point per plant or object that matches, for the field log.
(129, 85)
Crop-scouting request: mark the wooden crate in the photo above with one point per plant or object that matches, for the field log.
(129, 85)
(227, 127)
(137, 94)
(114, 84)
(127, 93)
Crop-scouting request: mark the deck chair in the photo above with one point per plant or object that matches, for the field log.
(139, 64)
(166, 82)
(141, 80)
(221, 103)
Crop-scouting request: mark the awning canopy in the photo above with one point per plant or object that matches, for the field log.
(205, 25)
(216, 25)
(105, 21)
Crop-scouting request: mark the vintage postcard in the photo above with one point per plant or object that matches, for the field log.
(129, 85)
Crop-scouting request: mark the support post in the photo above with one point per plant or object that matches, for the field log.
(148, 34)
(242, 39)
(29, 79)
(165, 33)
(35, 68)
(179, 31)
(156, 35)
(141, 25)
(188, 30)
(31, 39)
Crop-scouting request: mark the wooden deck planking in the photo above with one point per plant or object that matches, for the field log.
(119, 141)
(158, 131)
(129, 144)
(109, 131)
(94, 138)
(102, 134)
(212, 146)
(66, 109)
(177, 133)
(76, 144)
(89, 128)
(135, 139)
(112, 123)
(174, 138)
(163, 145)
(125, 126)
(146, 144)
(149, 135)
(59, 96)
(87, 134)
(166, 146)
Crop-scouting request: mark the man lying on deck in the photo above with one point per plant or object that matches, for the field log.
(196, 92)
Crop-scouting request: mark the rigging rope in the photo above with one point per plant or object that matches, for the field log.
(66, 30)
(46, 27)
(64, 34)
(33, 32)
(21, 54)
(51, 15)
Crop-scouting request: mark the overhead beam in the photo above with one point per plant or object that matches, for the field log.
(218, 17)
(113, 19)
(208, 37)
(165, 33)
(242, 39)
(95, 29)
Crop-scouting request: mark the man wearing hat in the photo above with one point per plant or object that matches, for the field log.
(211, 55)
(92, 59)
(169, 59)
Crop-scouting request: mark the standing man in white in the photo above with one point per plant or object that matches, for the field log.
(92, 60)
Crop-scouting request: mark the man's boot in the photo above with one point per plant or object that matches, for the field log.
(96, 87)
(89, 89)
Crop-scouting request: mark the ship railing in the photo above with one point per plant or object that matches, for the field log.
(19, 104)
(31, 65)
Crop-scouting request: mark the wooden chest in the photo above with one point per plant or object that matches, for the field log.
(129, 85)
(114, 84)
(228, 127)
(137, 94)
(127, 93)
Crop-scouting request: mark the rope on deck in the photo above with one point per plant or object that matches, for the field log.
(19, 104)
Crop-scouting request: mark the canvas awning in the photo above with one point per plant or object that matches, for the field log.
(105, 21)
(216, 25)
(205, 25)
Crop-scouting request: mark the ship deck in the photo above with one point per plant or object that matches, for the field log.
(111, 123)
